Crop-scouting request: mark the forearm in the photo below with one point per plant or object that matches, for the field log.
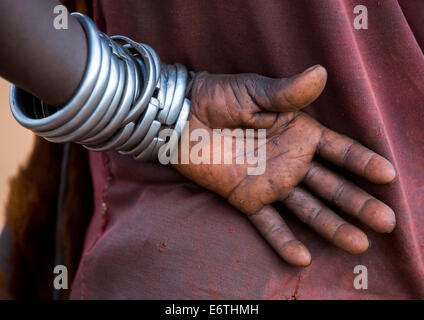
(38, 58)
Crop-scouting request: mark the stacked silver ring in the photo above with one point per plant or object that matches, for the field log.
(126, 98)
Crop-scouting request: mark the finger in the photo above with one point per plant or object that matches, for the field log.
(262, 120)
(358, 159)
(283, 95)
(325, 222)
(350, 198)
(276, 232)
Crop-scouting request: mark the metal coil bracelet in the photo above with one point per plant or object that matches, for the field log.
(126, 100)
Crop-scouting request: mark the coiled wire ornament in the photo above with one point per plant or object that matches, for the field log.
(124, 100)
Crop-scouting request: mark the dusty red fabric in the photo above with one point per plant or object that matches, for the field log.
(156, 235)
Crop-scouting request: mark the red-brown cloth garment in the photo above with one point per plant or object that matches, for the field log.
(155, 235)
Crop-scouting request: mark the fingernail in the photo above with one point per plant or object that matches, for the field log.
(380, 170)
(311, 68)
(351, 239)
(378, 216)
(295, 253)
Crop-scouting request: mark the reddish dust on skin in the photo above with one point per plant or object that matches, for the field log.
(162, 246)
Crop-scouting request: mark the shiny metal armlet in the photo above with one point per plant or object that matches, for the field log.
(125, 99)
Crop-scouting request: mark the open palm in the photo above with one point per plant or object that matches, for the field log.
(293, 139)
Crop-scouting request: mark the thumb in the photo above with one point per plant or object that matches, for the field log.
(291, 94)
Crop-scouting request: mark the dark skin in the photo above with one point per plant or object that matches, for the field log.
(50, 64)
(293, 140)
(46, 62)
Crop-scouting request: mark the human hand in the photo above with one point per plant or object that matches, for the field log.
(292, 140)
